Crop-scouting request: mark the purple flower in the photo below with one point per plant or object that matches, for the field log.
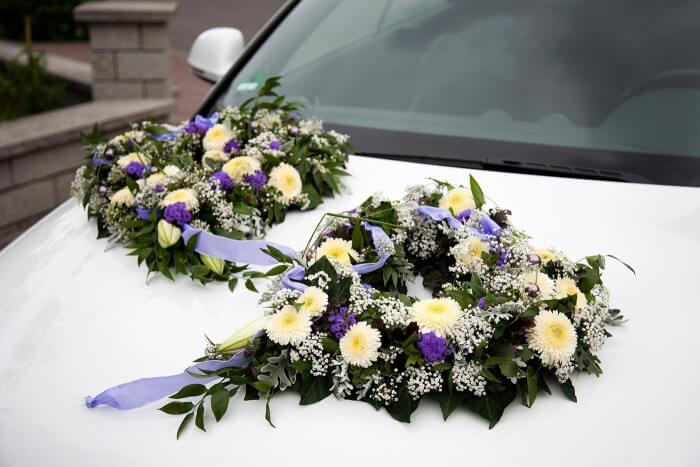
(502, 258)
(481, 304)
(434, 348)
(293, 131)
(256, 180)
(200, 125)
(232, 146)
(294, 116)
(367, 287)
(464, 215)
(159, 188)
(221, 180)
(341, 321)
(177, 213)
(275, 145)
(134, 169)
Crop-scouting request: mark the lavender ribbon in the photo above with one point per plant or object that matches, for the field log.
(293, 277)
(235, 251)
(143, 391)
(439, 214)
(142, 213)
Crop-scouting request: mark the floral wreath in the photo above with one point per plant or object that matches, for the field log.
(160, 189)
(505, 319)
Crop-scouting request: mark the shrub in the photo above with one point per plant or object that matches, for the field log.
(52, 20)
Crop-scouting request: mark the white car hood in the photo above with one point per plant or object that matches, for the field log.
(75, 320)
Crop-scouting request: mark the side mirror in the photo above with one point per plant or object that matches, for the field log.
(214, 51)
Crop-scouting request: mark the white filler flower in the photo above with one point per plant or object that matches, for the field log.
(553, 337)
(216, 137)
(289, 326)
(437, 315)
(287, 180)
(313, 301)
(336, 250)
(457, 200)
(239, 166)
(360, 345)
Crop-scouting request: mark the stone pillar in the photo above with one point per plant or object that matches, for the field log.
(130, 48)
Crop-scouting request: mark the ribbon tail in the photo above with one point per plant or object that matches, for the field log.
(291, 279)
(146, 390)
(235, 251)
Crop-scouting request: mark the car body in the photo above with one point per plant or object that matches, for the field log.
(76, 319)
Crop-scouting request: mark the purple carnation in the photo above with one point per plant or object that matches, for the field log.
(232, 147)
(464, 215)
(256, 180)
(434, 348)
(275, 145)
(177, 213)
(341, 321)
(224, 180)
(134, 169)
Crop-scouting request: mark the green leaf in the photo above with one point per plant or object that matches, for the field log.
(591, 278)
(531, 386)
(329, 345)
(509, 369)
(450, 400)
(262, 387)
(267, 411)
(568, 390)
(199, 419)
(177, 408)
(357, 238)
(279, 269)
(314, 389)
(623, 263)
(219, 402)
(232, 284)
(477, 193)
(489, 376)
(192, 242)
(250, 286)
(404, 407)
(183, 424)
(492, 405)
(190, 390)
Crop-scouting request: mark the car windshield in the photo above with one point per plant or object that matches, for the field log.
(599, 88)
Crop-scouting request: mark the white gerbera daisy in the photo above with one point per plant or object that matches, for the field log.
(469, 251)
(171, 171)
(553, 337)
(545, 285)
(123, 197)
(545, 255)
(133, 157)
(289, 326)
(457, 200)
(287, 180)
(437, 315)
(183, 195)
(216, 137)
(566, 287)
(360, 345)
(336, 250)
(314, 301)
(239, 166)
(213, 157)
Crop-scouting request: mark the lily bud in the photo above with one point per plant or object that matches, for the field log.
(215, 265)
(168, 234)
(242, 337)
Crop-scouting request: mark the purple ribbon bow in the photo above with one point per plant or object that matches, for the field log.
(439, 214)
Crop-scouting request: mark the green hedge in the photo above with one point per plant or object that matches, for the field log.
(52, 20)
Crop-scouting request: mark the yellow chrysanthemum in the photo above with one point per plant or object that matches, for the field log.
(437, 315)
(123, 197)
(545, 255)
(288, 326)
(157, 178)
(133, 157)
(286, 179)
(566, 287)
(553, 337)
(544, 284)
(216, 137)
(314, 301)
(184, 195)
(360, 345)
(171, 171)
(336, 250)
(457, 200)
(239, 166)
(212, 158)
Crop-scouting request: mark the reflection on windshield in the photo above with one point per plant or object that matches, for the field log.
(589, 74)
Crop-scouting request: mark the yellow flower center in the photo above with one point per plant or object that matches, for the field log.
(556, 335)
(358, 343)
